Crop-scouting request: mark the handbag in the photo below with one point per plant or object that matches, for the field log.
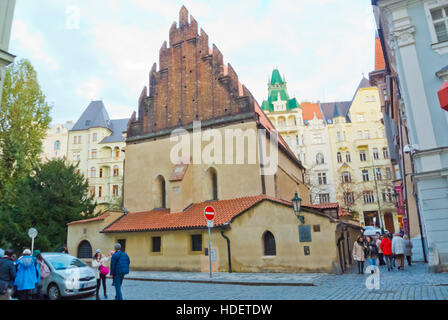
(104, 271)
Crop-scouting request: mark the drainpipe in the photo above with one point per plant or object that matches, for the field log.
(229, 255)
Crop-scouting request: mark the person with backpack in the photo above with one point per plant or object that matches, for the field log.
(386, 247)
(119, 267)
(101, 271)
(7, 274)
(27, 276)
(372, 252)
(44, 270)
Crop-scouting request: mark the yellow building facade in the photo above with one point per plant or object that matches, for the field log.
(363, 172)
(96, 145)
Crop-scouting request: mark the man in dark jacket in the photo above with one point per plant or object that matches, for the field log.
(7, 275)
(119, 267)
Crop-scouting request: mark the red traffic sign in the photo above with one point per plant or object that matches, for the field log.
(209, 213)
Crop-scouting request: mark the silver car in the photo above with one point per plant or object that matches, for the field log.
(69, 276)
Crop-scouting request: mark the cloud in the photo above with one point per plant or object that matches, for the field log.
(321, 46)
(92, 89)
(33, 43)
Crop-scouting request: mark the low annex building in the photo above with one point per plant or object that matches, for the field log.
(163, 225)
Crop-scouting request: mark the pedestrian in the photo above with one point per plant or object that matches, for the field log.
(408, 249)
(372, 252)
(44, 271)
(27, 277)
(7, 274)
(398, 250)
(101, 271)
(359, 253)
(379, 237)
(119, 267)
(386, 247)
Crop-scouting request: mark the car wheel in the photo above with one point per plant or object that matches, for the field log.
(53, 292)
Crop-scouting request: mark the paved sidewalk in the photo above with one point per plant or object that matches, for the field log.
(414, 283)
(417, 275)
(280, 279)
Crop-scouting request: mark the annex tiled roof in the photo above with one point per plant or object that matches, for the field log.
(333, 205)
(191, 218)
(97, 218)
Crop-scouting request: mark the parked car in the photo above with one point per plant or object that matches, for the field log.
(69, 276)
(371, 231)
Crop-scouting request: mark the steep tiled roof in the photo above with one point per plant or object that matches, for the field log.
(276, 78)
(94, 116)
(328, 109)
(308, 110)
(97, 218)
(265, 122)
(190, 218)
(118, 127)
(380, 63)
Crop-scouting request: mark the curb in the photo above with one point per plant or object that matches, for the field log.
(241, 283)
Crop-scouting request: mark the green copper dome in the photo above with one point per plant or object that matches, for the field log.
(277, 90)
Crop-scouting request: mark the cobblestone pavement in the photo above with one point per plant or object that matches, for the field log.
(412, 284)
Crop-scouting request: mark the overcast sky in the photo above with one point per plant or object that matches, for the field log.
(322, 47)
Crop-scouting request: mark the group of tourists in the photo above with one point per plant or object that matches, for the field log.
(21, 278)
(382, 250)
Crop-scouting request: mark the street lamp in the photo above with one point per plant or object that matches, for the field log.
(296, 201)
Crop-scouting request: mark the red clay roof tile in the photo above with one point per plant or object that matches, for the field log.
(97, 218)
(192, 217)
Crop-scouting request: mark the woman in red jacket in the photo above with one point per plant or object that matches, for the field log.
(386, 246)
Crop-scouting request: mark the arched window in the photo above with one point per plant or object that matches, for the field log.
(320, 158)
(281, 122)
(339, 155)
(211, 184)
(347, 157)
(116, 152)
(85, 250)
(93, 172)
(269, 244)
(346, 177)
(57, 145)
(116, 171)
(159, 192)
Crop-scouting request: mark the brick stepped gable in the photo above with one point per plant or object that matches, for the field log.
(192, 84)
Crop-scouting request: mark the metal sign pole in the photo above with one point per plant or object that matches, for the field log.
(32, 245)
(210, 251)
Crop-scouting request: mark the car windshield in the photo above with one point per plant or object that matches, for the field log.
(64, 261)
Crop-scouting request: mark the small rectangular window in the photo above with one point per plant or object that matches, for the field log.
(196, 242)
(156, 244)
(316, 228)
(305, 233)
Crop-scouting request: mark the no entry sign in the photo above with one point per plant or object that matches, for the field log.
(209, 213)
